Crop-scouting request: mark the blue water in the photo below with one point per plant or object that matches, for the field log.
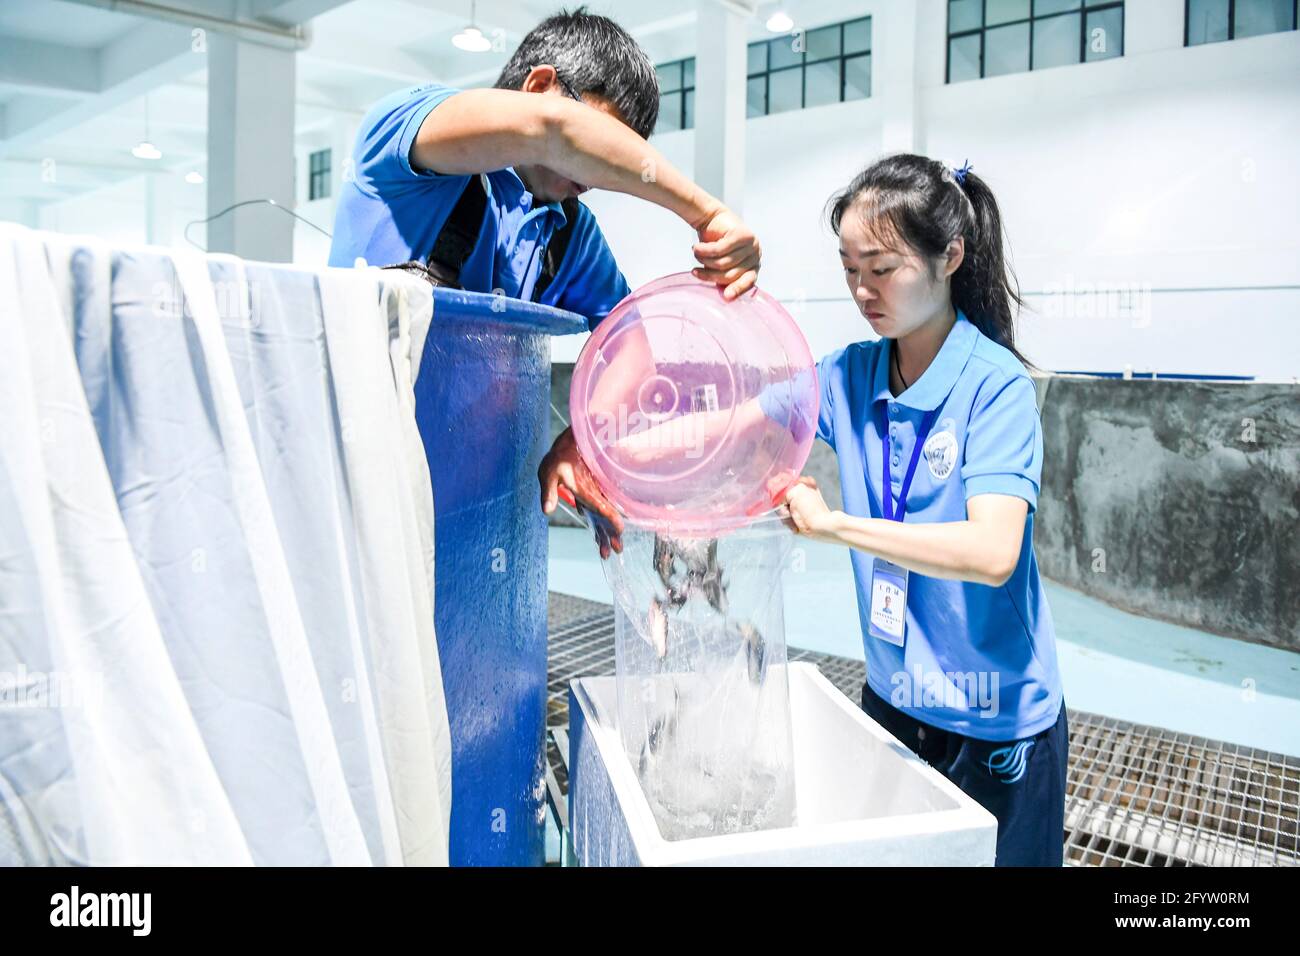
(1112, 663)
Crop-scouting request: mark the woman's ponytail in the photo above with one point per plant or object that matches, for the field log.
(984, 287)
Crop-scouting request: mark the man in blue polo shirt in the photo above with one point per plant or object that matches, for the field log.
(479, 184)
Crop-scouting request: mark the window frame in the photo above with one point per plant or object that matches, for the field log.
(1085, 8)
(1232, 23)
(318, 173)
(840, 59)
(679, 93)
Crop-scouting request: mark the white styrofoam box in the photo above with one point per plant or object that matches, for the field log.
(862, 797)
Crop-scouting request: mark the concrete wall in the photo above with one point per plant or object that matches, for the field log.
(1174, 500)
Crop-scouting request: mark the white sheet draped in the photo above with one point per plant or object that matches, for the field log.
(216, 563)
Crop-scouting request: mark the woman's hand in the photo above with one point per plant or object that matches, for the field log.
(809, 515)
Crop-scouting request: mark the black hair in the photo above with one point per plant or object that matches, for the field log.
(591, 54)
(919, 201)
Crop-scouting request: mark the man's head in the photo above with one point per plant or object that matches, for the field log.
(589, 58)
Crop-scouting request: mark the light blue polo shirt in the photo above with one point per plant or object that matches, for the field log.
(977, 660)
(389, 212)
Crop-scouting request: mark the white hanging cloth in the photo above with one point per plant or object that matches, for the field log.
(215, 510)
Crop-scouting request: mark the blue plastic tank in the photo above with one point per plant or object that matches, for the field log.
(482, 405)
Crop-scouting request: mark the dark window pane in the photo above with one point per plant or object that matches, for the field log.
(857, 77)
(1043, 7)
(781, 51)
(1207, 21)
(822, 83)
(857, 36)
(785, 90)
(964, 58)
(689, 107)
(756, 97)
(1004, 11)
(318, 179)
(965, 15)
(688, 73)
(670, 113)
(822, 44)
(670, 77)
(1056, 41)
(1105, 37)
(757, 58)
(1006, 49)
(1257, 17)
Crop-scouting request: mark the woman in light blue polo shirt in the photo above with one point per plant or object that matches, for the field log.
(940, 450)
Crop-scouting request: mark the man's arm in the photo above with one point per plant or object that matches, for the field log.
(476, 131)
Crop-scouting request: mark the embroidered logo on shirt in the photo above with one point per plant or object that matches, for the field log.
(941, 454)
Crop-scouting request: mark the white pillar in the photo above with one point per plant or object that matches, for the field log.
(895, 78)
(250, 147)
(720, 59)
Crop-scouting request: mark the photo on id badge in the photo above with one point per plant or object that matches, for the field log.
(888, 601)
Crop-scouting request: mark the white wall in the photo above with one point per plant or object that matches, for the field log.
(154, 208)
(1169, 172)
(149, 209)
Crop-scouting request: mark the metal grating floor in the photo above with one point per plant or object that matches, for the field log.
(1135, 795)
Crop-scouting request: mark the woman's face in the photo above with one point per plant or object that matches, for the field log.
(893, 286)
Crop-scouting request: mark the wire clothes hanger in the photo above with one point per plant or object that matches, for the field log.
(248, 202)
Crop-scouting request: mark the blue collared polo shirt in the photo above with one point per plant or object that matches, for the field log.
(391, 212)
(977, 660)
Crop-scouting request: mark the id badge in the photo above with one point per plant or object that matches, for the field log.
(888, 618)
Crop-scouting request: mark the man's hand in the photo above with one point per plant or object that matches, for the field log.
(563, 467)
(728, 252)
(809, 515)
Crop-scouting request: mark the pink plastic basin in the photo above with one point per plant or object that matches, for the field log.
(694, 413)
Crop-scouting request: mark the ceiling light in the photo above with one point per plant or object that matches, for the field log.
(780, 22)
(145, 149)
(194, 178)
(471, 39)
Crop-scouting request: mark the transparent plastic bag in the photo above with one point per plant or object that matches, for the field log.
(703, 698)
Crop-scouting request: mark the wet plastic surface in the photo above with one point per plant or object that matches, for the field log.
(482, 405)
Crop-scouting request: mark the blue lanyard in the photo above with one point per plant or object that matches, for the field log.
(887, 489)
